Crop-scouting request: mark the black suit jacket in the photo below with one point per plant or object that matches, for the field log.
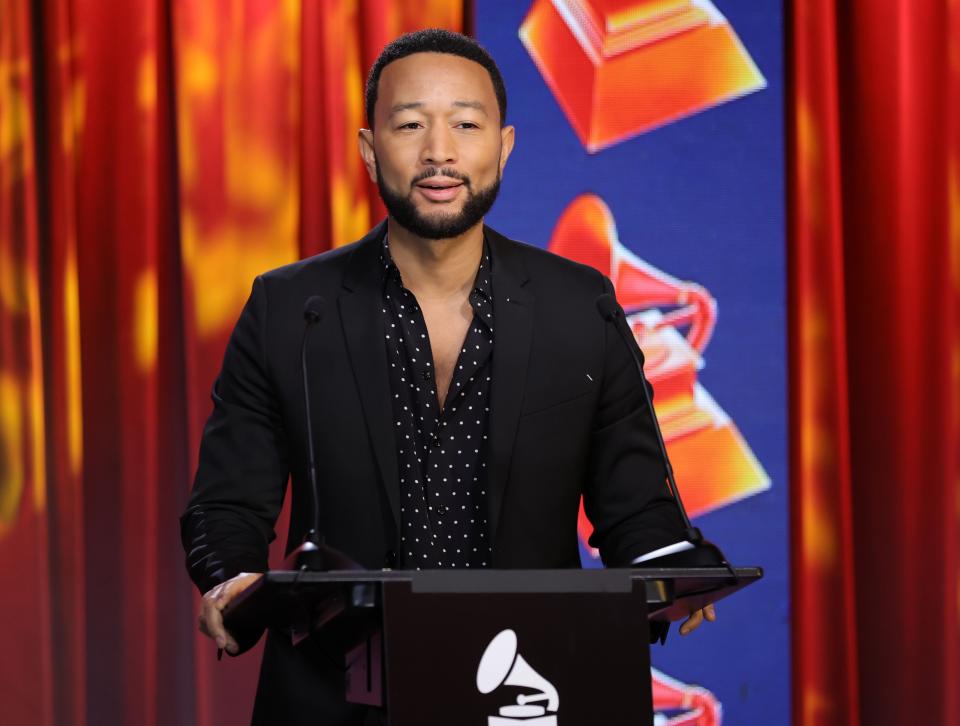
(567, 418)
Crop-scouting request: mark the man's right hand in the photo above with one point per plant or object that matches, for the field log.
(213, 603)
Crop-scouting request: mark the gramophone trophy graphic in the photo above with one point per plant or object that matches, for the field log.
(713, 462)
(502, 665)
(619, 68)
(673, 321)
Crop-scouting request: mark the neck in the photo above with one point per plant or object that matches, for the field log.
(436, 268)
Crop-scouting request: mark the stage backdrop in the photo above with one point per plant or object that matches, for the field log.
(649, 145)
(156, 154)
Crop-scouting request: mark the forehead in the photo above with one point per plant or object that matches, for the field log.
(434, 77)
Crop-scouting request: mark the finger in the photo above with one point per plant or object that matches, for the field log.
(710, 612)
(224, 639)
(213, 620)
(215, 601)
(202, 624)
(692, 623)
(212, 626)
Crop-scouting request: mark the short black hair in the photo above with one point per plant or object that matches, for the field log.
(434, 40)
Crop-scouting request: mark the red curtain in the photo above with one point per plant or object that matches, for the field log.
(875, 353)
(154, 156)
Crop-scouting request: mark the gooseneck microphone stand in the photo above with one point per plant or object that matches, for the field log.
(314, 554)
(703, 553)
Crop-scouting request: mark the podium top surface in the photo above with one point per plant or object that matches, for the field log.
(671, 593)
(571, 580)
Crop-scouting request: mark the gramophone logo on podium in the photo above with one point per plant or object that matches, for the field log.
(502, 665)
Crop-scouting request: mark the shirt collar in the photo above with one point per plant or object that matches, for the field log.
(481, 283)
(390, 269)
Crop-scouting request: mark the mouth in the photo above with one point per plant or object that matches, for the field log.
(440, 189)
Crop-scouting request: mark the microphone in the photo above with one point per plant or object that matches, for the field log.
(313, 553)
(312, 314)
(704, 552)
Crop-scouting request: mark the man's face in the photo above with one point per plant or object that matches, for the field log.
(438, 150)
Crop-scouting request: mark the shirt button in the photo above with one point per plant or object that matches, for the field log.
(442, 509)
(427, 375)
(435, 441)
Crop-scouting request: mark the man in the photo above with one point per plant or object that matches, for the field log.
(465, 391)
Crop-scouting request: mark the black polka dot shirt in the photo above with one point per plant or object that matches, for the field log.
(442, 454)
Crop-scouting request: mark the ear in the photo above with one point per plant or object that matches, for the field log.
(507, 137)
(369, 156)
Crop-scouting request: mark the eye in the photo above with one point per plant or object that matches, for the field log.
(468, 125)
(410, 125)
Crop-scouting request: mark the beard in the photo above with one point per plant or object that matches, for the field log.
(444, 225)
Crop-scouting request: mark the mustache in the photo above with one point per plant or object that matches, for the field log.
(449, 172)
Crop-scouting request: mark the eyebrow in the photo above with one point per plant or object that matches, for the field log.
(416, 105)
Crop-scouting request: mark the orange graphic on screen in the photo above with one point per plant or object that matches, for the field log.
(713, 463)
(621, 67)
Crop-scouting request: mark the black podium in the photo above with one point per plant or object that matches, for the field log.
(500, 647)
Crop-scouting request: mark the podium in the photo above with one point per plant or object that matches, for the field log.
(501, 647)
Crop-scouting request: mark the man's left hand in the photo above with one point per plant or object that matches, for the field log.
(693, 622)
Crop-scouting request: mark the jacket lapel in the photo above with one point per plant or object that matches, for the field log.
(512, 336)
(361, 315)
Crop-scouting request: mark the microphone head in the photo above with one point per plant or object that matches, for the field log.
(313, 309)
(608, 308)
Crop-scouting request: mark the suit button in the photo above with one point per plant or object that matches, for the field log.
(435, 442)
(390, 560)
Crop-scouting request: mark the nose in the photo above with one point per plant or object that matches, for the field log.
(439, 146)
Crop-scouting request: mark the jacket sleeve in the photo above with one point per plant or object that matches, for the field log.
(626, 496)
(243, 466)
